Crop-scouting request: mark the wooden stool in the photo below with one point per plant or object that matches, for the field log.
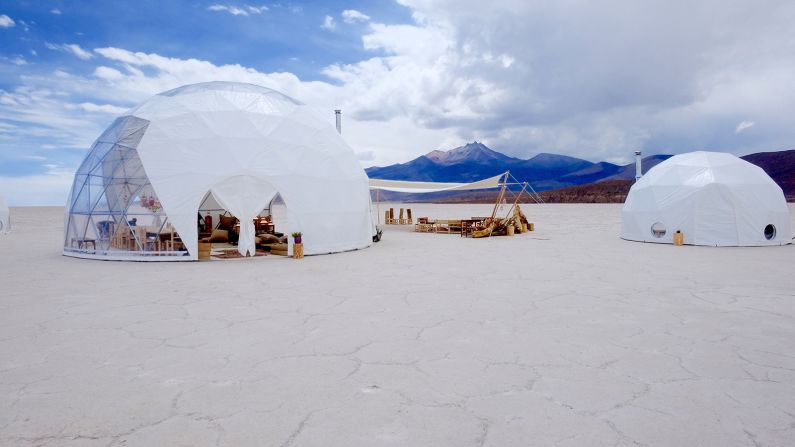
(204, 250)
(298, 251)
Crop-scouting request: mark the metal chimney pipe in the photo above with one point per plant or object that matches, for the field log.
(338, 115)
(638, 168)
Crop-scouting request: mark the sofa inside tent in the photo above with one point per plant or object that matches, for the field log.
(138, 194)
(712, 198)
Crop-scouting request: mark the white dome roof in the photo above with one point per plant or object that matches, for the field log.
(244, 143)
(713, 198)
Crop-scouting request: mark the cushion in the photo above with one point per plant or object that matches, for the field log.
(219, 236)
(226, 222)
(266, 238)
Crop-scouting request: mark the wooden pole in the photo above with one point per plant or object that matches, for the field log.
(510, 210)
(378, 204)
(500, 196)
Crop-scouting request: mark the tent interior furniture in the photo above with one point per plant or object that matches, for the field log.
(83, 243)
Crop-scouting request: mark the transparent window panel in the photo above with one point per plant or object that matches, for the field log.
(113, 208)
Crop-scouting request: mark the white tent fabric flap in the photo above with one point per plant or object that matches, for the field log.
(5, 217)
(244, 196)
(154, 166)
(712, 198)
(426, 187)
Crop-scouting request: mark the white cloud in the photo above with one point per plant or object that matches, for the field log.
(328, 23)
(506, 60)
(238, 10)
(47, 110)
(102, 108)
(523, 76)
(6, 22)
(352, 15)
(48, 107)
(743, 126)
(18, 60)
(70, 48)
(365, 156)
(581, 78)
(55, 11)
(43, 189)
(234, 10)
(108, 73)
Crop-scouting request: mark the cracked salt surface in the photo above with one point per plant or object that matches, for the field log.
(567, 336)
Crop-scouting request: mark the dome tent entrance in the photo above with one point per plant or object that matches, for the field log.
(243, 143)
(713, 198)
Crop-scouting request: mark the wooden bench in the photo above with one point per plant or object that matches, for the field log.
(448, 226)
(425, 227)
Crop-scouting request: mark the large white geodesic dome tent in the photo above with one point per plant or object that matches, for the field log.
(236, 145)
(713, 198)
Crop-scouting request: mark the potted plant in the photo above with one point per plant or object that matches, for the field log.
(297, 237)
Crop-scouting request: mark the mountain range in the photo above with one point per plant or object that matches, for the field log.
(546, 172)
(475, 161)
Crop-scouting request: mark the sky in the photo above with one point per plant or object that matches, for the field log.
(594, 80)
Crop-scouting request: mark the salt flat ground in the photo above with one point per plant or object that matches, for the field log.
(565, 336)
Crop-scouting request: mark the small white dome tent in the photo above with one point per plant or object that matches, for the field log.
(5, 217)
(239, 144)
(713, 198)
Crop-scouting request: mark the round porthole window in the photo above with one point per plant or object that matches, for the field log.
(770, 232)
(658, 230)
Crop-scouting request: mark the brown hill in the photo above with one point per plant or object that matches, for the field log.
(611, 191)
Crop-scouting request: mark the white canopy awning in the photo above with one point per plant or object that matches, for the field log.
(425, 187)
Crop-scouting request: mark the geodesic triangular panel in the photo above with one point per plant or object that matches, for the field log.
(113, 208)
